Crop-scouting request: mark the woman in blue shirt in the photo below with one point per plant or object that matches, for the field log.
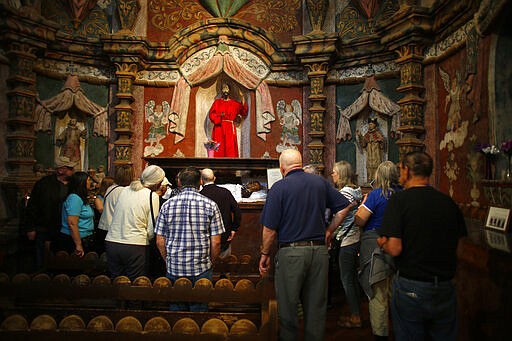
(77, 216)
(375, 269)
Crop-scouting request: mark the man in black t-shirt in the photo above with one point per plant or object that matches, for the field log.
(421, 228)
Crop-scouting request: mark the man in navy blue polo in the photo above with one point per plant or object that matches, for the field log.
(294, 213)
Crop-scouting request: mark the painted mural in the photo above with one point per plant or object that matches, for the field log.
(166, 18)
(81, 19)
(158, 116)
(290, 118)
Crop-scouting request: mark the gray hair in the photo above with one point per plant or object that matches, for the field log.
(310, 169)
(150, 176)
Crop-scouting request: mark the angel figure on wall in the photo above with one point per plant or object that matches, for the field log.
(456, 128)
(290, 117)
(452, 103)
(157, 115)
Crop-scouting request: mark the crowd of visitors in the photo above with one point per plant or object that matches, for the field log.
(396, 243)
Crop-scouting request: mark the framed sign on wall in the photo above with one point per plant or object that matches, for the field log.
(498, 218)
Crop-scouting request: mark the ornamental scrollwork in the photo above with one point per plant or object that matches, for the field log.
(21, 148)
(123, 119)
(317, 86)
(317, 121)
(273, 16)
(317, 155)
(21, 106)
(411, 114)
(123, 153)
(173, 16)
(125, 85)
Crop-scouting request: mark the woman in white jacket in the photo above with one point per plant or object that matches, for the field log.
(131, 229)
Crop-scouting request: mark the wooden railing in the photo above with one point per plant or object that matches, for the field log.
(80, 307)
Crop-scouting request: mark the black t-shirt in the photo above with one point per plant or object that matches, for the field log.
(429, 224)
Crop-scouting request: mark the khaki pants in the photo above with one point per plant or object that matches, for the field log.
(379, 307)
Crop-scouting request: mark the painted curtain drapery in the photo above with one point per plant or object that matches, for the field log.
(371, 95)
(221, 61)
(71, 95)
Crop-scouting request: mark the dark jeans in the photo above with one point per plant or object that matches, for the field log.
(189, 306)
(349, 260)
(41, 239)
(420, 308)
(126, 260)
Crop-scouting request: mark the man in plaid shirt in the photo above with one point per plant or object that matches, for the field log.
(188, 233)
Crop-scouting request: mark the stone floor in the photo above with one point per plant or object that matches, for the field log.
(338, 308)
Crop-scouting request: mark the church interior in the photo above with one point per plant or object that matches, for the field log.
(104, 83)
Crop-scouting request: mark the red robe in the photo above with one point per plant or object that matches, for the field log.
(224, 129)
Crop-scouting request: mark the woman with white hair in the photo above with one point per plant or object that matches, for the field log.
(132, 225)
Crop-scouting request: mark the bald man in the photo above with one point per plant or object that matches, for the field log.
(294, 214)
(229, 209)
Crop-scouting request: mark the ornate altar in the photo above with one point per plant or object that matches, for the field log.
(230, 170)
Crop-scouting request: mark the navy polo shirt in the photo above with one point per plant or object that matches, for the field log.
(296, 204)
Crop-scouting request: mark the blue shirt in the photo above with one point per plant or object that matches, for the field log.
(295, 206)
(187, 221)
(376, 203)
(74, 206)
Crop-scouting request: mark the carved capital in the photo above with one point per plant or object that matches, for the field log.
(126, 69)
(319, 68)
(410, 52)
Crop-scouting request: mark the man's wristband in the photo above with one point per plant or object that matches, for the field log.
(265, 254)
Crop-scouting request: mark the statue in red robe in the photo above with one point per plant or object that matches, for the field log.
(225, 115)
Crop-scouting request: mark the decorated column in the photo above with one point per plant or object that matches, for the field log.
(21, 43)
(406, 33)
(412, 118)
(315, 51)
(125, 49)
(125, 52)
(126, 72)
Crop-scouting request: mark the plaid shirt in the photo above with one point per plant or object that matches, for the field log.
(187, 221)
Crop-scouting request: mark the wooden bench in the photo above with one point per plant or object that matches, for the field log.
(64, 307)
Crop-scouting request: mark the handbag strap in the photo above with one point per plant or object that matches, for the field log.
(151, 207)
(106, 195)
(347, 231)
